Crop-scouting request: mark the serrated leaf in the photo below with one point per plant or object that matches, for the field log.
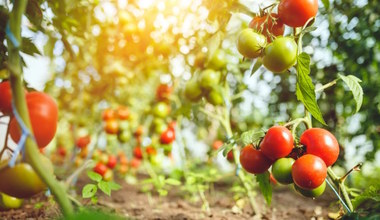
(251, 136)
(173, 182)
(256, 66)
(305, 87)
(105, 187)
(28, 47)
(94, 176)
(33, 12)
(265, 186)
(357, 91)
(326, 4)
(114, 186)
(89, 191)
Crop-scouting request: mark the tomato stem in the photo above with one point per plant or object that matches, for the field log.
(327, 85)
(5, 147)
(31, 150)
(355, 168)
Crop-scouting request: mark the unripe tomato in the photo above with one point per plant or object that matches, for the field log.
(108, 175)
(5, 98)
(250, 43)
(83, 141)
(167, 136)
(137, 153)
(112, 161)
(161, 110)
(209, 78)
(277, 143)
(193, 91)
(123, 169)
(9, 202)
(103, 158)
(321, 143)
(269, 26)
(309, 171)
(217, 144)
(123, 125)
(214, 97)
(280, 55)
(295, 13)
(122, 112)
(111, 126)
(218, 60)
(282, 170)
(254, 161)
(21, 181)
(124, 136)
(43, 113)
(135, 162)
(163, 92)
(100, 169)
(108, 114)
(313, 193)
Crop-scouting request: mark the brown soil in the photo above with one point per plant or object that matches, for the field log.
(133, 204)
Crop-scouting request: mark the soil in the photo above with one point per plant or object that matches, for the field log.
(133, 204)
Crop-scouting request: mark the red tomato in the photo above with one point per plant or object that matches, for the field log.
(135, 162)
(43, 113)
(100, 168)
(83, 141)
(277, 143)
(122, 112)
(151, 150)
(61, 151)
(309, 171)
(5, 98)
(217, 144)
(167, 136)
(137, 153)
(112, 161)
(111, 126)
(108, 114)
(254, 161)
(321, 143)
(230, 156)
(270, 26)
(163, 92)
(295, 13)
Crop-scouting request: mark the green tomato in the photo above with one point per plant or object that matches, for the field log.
(218, 60)
(214, 96)
(280, 55)
(124, 136)
(193, 91)
(250, 44)
(161, 110)
(282, 170)
(209, 78)
(9, 202)
(313, 193)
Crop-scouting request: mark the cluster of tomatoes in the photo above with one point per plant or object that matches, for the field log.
(264, 37)
(306, 168)
(106, 163)
(113, 118)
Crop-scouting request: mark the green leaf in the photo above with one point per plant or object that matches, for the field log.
(326, 4)
(213, 44)
(94, 176)
(305, 88)
(173, 182)
(28, 47)
(89, 191)
(265, 186)
(251, 136)
(227, 147)
(353, 84)
(371, 193)
(257, 65)
(33, 12)
(94, 200)
(162, 192)
(114, 186)
(105, 187)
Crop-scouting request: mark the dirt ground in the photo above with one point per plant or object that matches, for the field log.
(133, 204)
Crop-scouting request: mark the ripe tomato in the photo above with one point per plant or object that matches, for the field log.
(295, 13)
(112, 161)
(100, 169)
(163, 92)
(321, 143)
(282, 170)
(254, 161)
(108, 114)
(250, 43)
(123, 160)
(161, 110)
(215, 97)
(230, 156)
(277, 143)
(313, 193)
(150, 150)
(193, 91)
(137, 153)
(111, 126)
(167, 136)
(5, 98)
(269, 26)
(61, 151)
(309, 171)
(280, 55)
(21, 181)
(135, 162)
(209, 78)
(217, 144)
(9, 202)
(43, 113)
(122, 112)
(83, 141)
